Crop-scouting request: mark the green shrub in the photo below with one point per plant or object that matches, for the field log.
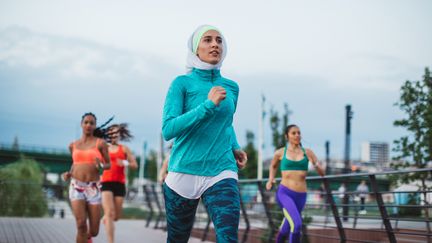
(21, 189)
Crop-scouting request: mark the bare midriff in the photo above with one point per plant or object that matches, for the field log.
(85, 172)
(295, 180)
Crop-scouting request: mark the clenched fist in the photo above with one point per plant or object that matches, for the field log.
(217, 94)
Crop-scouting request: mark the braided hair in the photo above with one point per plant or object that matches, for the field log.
(100, 131)
(124, 133)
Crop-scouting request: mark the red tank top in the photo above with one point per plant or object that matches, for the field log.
(116, 173)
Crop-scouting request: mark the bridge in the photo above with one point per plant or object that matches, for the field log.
(57, 161)
(52, 160)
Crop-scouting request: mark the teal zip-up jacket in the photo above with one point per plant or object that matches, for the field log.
(203, 132)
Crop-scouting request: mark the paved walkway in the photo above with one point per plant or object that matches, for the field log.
(49, 230)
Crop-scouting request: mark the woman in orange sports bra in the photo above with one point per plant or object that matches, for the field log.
(89, 154)
(291, 194)
(114, 179)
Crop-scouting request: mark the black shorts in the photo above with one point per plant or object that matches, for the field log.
(117, 188)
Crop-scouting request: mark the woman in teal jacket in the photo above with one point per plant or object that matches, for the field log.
(205, 156)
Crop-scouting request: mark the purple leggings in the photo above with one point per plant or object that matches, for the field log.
(292, 203)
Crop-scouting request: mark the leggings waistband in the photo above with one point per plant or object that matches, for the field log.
(285, 189)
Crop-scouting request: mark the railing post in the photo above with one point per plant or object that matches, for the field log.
(346, 200)
(245, 216)
(267, 211)
(335, 211)
(382, 209)
(356, 213)
(158, 206)
(147, 196)
(163, 206)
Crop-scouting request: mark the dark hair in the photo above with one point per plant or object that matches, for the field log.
(123, 130)
(100, 131)
(288, 128)
(88, 114)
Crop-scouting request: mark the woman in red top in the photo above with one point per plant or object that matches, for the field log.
(89, 154)
(114, 179)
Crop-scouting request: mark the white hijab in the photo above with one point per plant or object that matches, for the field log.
(193, 60)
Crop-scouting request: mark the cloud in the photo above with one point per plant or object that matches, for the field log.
(47, 82)
(76, 59)
(50, 79)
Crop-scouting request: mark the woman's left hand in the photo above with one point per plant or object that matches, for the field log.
(100, 165)
(241, 158)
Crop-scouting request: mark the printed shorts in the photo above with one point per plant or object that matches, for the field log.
(87, 191)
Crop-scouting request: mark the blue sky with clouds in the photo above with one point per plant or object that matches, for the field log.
(59, 59)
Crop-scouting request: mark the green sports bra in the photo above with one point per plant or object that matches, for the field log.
(287, 164)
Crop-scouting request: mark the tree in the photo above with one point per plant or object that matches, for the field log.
(21, 189)
(250, 172)
(150, 170)
(15, 144)
(416, 147)
(133, 174)
(278, 133)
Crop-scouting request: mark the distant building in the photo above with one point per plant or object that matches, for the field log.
(375, 153)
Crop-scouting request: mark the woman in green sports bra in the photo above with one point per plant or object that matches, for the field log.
(291, 194)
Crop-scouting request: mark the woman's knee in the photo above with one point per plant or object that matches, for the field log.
(94, 231)
(117, 216)
(297, 226)
(81, 226)
(111, 214)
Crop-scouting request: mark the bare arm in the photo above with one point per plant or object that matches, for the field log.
(273, 168)
(67, 175)
(130, 158)
(163, 170)
(314, 160)
(103, 149)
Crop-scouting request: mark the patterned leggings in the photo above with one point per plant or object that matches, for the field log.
(222, 201)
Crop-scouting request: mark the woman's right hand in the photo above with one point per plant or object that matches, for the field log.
(270, 184)
(122, 163)
(66, 176)
(217, 94)
(162, 176)
(98, 164)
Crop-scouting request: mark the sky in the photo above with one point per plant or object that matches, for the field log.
(60, 59)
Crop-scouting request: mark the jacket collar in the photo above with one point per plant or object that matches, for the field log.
(207, 75)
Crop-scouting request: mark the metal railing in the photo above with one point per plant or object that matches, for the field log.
(329, 216)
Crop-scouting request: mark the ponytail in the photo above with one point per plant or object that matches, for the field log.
(101, 132)
(124, 133)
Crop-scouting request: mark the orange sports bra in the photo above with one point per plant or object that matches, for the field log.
(86, 156)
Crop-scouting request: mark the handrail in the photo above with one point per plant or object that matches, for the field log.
(348, 175)
(260, 215)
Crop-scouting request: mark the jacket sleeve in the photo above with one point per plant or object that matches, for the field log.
(234, 143)
(174, 121)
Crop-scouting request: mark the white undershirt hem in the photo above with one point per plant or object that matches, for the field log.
(193, 186)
